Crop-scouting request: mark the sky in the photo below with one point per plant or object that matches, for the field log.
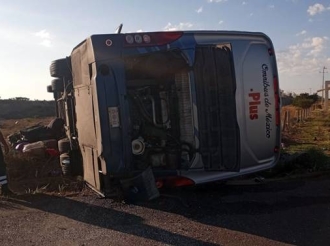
(35, 32)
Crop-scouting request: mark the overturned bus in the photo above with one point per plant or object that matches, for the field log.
(189, 106)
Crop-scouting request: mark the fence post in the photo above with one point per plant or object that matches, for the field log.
(285, 120)
(297, 113)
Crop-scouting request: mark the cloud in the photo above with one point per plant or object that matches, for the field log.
(180, 26)
(200, 10)
(46, 38)
(251, 14)
(43, 34)
(316, 9)
(217, 1)
(303, 32)
(272, 6)
(221, 22)
(317, 45)
(311, 46)
(303, 58)
(244, 3)
(46, 43)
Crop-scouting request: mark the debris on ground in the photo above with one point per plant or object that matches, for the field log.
(34, 164)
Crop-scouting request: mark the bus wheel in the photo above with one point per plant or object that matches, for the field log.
(61, 68)
(50, 88)
(57, 85)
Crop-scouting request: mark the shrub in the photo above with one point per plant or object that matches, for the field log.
(304, 100)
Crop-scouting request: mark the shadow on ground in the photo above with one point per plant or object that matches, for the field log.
(99, 216)
(296, 211)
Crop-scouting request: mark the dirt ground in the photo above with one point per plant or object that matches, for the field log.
(14, 125)
(286, 212)
(36, 174)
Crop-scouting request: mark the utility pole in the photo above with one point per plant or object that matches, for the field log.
(323, 86)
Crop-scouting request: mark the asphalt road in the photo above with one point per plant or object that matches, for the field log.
(241, 213)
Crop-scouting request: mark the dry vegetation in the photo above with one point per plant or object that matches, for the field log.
(18, 109)
(34, 175)
(314, 131)
(305, 144)
(14, 125)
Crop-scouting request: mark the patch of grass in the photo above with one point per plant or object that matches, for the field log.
(308, 161)
(318, 160)
(311, 133)
(306, 146)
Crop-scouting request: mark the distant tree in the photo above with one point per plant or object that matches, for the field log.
(290, 94)
(22, 99)
(19, 99)
(315, 97)
(304, 100)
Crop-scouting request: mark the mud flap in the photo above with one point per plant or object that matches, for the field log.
(141, 187)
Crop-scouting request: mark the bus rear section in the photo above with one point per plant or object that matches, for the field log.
(252, 107)
(194, 107)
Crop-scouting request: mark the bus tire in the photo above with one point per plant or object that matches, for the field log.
(61, 68)
(50, 88)
(57, 85)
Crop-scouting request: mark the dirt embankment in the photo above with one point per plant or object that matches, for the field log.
(28, 174)
(19, 109)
